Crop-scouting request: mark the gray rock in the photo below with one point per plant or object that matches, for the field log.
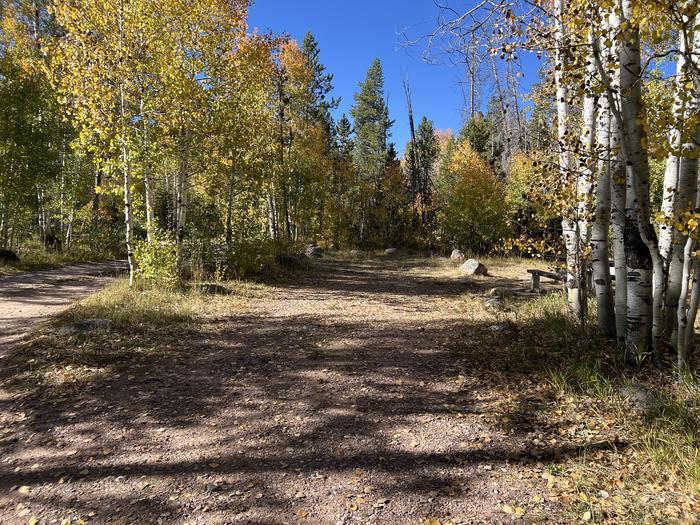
(473, 267)
(213, 289)
(356, 253)
(498, 328)
(314, 251)
(457, 255)
(494, 303)
(391, 252)
(641, 398)
(92, 325)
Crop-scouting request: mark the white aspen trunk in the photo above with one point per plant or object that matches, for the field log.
(645, 264)
(126, 168)
(687, 315)
(182, 192)
(272, 214)
(229, 212)
(568, 224)
(670, 189)
(601, 227)
(69, 228)
(584, 182)
(617, 171)
(687, 176)
(5, 226)
(148, 190)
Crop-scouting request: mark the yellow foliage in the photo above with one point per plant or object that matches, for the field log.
(471, 204)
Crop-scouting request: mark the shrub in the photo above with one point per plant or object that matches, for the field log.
(157, 259)
(470, 203)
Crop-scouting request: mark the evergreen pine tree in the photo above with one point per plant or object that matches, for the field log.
(427, 153)
(371, 116)
(477, 132)
(320, 86)
(343, 132)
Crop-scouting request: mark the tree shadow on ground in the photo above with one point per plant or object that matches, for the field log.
(277, 399)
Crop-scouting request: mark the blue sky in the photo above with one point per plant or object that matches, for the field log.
(352, 34)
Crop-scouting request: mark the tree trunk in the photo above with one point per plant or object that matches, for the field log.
(229, 213)
(272, 214)
(147, 186)
(644, 302)
(568, 224)
(584, 182)
(182, 192)
(5, 226)
(126, 167)
(601, 227)
(689, 170)
(681, 164)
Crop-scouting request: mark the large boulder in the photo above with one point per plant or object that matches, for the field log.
(8, 257)
(391, 252)
(473, 267)
(457, 255)
(314, 251)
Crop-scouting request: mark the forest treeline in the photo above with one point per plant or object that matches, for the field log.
(172, 129)
(125, 122)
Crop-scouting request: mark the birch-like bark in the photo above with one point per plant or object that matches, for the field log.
(584, 182)
(618, 180)
(601, 226)
(272, 214)
(569, 226)
(126, 168)
(687, 315)
(182, 191)
(229, 213)
(644, 262)
(686, 177)
(669, 203)
(5, 226)
(148, 189)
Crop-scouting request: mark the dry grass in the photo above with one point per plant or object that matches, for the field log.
(145, 323)
(655, 477)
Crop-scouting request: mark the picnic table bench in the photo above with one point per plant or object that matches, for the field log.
(535, 276)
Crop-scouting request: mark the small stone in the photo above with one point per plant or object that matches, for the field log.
(213, 289)
(642, 398)
(457, 255)
(391, 252)
(314, 251)
(93, 325)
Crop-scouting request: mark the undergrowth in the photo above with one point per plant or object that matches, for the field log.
(588, 374)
